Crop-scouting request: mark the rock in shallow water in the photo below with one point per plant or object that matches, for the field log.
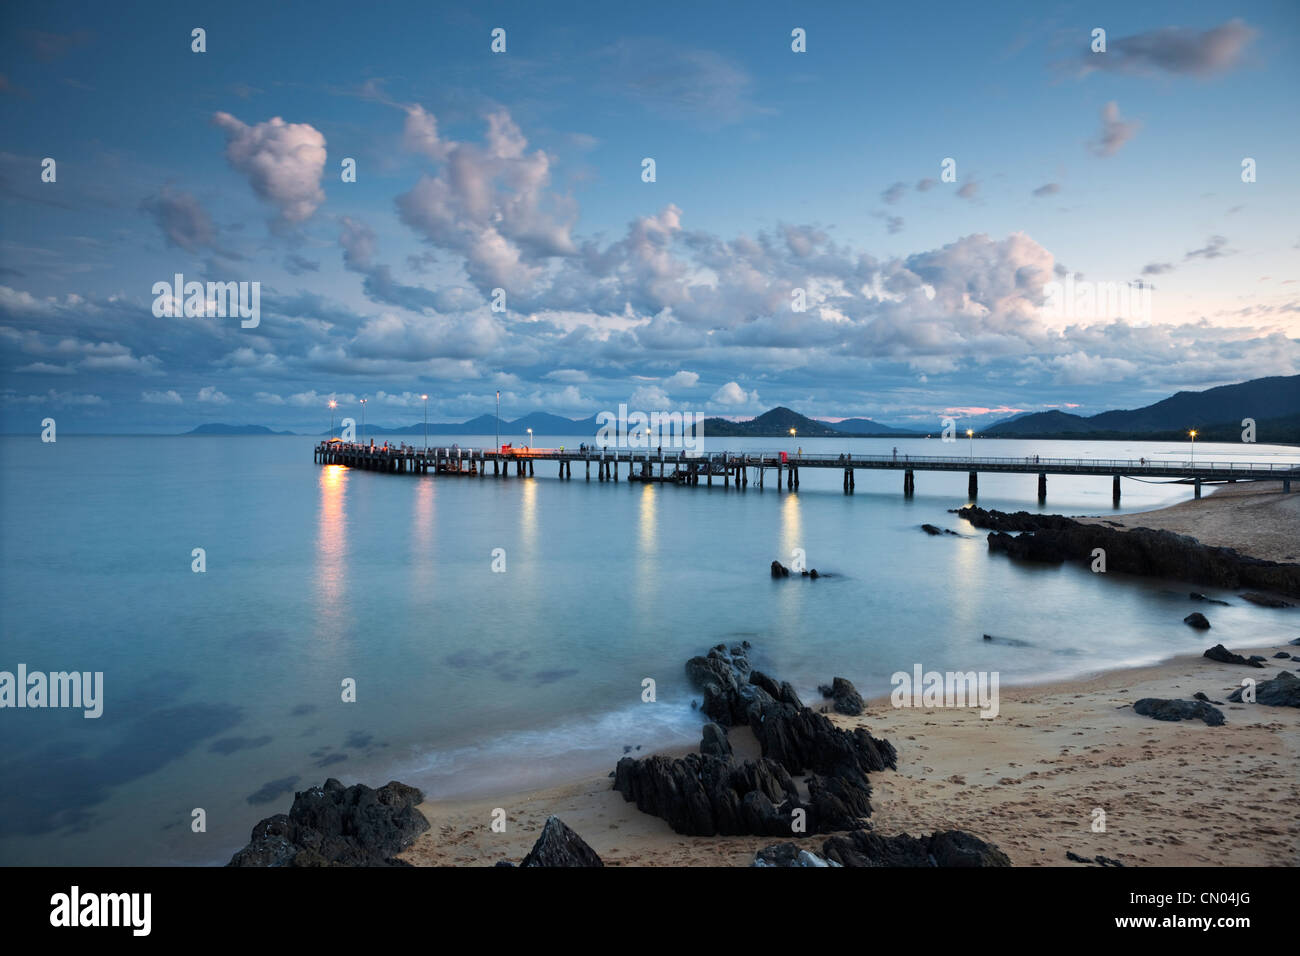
(333, 825)
(1197, 619)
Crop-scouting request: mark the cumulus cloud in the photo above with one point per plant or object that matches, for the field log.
(1115, 132)
(169, 397)
(283, 162)
(649, 397)
(683, 379)
(210, 395)
(732, 394)
(490, 203)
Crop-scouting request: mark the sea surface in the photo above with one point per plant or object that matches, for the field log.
(223, 689)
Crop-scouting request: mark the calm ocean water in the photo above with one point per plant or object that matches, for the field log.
(222, 689)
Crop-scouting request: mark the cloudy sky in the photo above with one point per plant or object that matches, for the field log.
(777, 174)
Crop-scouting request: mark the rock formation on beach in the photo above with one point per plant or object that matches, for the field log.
(560, 846)
(1055, 539)
(333, 825)
(1162, 709)
(711, 793)
(1224, 656)
(1282, 691)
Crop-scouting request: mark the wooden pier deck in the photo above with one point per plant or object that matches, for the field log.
(688, 468)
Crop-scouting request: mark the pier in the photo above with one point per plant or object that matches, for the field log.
(677, 466)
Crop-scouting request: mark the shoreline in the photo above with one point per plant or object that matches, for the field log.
(1028, 780)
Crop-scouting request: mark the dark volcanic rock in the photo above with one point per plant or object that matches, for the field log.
(560, 846)
(787, 854)
(1055, 538)
(844, 696)
(1282, 691)
(1263, 600)
(333, 825)
(1224, 656)
(779, 570)
(942, 848)
(1162, 709)
(1197, 620)
(710, 793)
(715, 742)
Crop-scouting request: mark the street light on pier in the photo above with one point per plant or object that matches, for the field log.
(363, 421)
(970, 434)
(1192, 433)
(426, 421)
(530, 438)
(333, 405)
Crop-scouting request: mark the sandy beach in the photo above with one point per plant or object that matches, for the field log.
(1029, 780)
(1252, 517)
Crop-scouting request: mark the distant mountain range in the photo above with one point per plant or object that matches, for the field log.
(216, 428)
(778, 422)
(1216, 414)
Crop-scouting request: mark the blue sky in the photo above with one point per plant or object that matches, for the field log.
(776, 171)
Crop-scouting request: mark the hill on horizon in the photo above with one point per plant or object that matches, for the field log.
(1271, 402)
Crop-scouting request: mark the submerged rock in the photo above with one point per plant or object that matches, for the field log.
(1208, 600)
(1162, 709)
(333, 825)
(560, 846)
(1264, 600)
(779, 570)
(1224, 656)
(1197, 620)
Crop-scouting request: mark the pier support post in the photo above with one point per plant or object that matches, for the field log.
(909, 483)
(1042, 487)
(789, 478)
(589, 469)
(1114, 491)
(778, 476)
(1286, 486)
(973, 486)
(846, 481)
(530, 468)
(1198, 487)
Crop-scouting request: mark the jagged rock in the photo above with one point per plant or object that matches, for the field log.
(709, 793)
(715, 742)
(1055, 538)
(1197, 620)
(1208, 600)
(1264, 600)
(787, 854)
(1282, 654)
(814, 575)
(844, 696)
(942, 848)
(1224, 656)
(1282, 691)
(333, 825)
(779, 570)
(1162, 709)
(560, 846)
(931, 529)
